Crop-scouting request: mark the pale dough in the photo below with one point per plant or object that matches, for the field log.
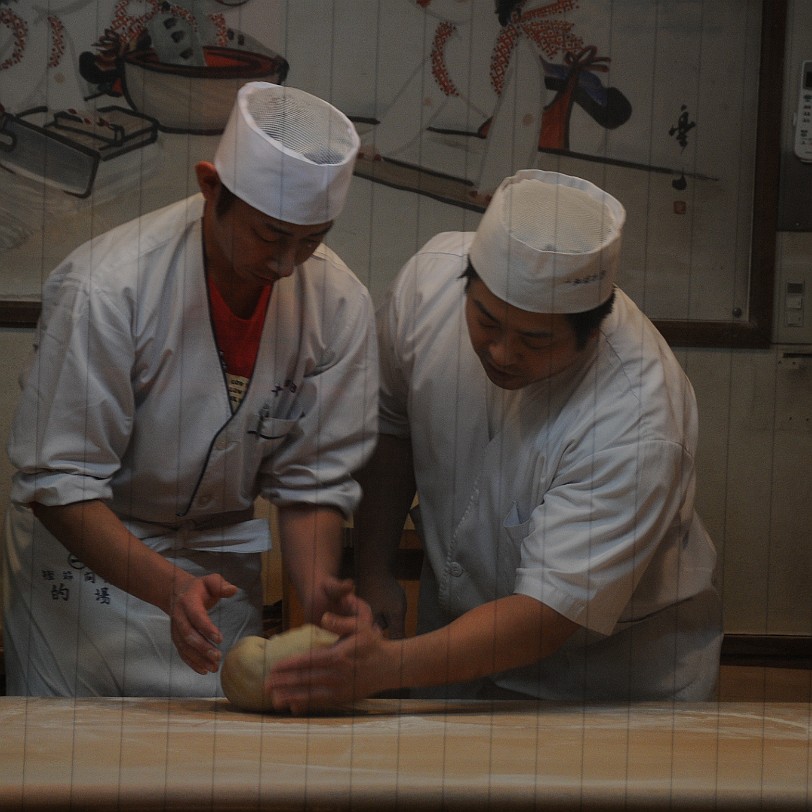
(248, 662)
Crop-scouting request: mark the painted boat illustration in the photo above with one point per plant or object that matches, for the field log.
(190, 98)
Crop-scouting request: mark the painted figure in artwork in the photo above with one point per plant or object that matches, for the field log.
(39, 78)
(538, 68)
(60, 100)
(38, 62)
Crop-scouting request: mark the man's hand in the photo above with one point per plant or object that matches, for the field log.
(195, 636)
(97, 537)
(358, 665)
(388, 601)
(510, 632)
(334, 595)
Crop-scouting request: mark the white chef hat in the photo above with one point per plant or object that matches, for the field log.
(549, 243)
(287, 153)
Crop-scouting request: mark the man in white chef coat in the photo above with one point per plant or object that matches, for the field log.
(186, 363)
(549, 434)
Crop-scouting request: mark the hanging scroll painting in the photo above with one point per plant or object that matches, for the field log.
(107, 104)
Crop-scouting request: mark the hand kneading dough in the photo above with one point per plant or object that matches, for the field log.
(248, 662)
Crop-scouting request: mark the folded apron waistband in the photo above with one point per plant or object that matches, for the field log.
(236, 532)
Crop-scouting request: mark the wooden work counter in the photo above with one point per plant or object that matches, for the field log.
(388, 754)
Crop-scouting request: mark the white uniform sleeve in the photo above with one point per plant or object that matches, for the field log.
(75, 413)
(338, 428)
(587, 547)
(409, 313)
(394, 390)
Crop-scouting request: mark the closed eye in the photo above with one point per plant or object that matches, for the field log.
(266, 236)
(535, 343)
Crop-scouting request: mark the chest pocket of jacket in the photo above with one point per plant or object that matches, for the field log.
(263, 437)
(514, 532)
(268, 433)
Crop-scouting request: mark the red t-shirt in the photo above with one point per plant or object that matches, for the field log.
(237, 340)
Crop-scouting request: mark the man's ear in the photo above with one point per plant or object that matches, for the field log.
(208, 180)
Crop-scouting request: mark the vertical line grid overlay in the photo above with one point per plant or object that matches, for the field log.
(357, 767)
(492, 705)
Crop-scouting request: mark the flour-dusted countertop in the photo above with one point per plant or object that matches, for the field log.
(398, 754)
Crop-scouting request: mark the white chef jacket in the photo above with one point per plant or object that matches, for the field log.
(577, 491)
(125, 400)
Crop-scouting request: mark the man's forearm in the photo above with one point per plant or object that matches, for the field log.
(95, 535)
(388, 487)
(311, 539)
(98, 538)
(503, 634)
(507, 633)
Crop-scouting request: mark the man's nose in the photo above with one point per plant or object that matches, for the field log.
(283, 261)
(502, 351)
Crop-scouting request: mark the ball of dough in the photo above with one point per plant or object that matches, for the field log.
(247, 663)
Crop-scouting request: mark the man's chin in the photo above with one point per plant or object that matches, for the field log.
(503, 380)
(266, 280)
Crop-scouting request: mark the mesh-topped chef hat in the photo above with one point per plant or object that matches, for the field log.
(549, 243)
(287, 153)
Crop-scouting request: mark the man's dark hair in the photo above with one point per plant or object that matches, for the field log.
(584, 323)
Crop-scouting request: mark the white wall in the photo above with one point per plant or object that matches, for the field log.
(14, 348)
(753, 483)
